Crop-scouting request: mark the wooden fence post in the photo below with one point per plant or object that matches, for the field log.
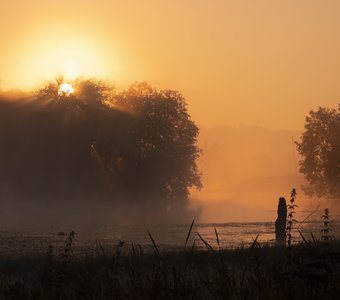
(280, 223)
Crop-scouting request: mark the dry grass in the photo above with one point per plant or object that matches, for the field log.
(306, 271)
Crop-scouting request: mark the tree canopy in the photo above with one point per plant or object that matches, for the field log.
(97, 144)
(320, 151)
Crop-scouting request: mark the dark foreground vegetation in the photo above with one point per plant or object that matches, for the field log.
(305, 271)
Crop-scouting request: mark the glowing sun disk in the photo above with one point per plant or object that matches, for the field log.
(65, 89)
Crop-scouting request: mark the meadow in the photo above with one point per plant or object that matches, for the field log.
(306, 270)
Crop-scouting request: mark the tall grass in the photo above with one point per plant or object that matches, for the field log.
(305, 271)
(301, 271)
(251, 273)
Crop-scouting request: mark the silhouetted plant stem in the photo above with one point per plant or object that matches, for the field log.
(326, 229)
(290, 217)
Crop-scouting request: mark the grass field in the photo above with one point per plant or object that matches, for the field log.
(310, 270)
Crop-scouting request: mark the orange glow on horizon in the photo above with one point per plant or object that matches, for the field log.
(58, 50)
(252, 67)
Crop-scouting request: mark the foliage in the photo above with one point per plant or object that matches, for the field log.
(97, 144)
(290, 217)
(326, 229)
(320, 151)
(166, 141)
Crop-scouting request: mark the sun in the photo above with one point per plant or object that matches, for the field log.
(65, 89)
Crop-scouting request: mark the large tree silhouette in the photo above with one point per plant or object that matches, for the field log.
(320, 151)
(166, 144)
(98, 145)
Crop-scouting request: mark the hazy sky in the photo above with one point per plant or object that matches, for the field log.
(265, 63)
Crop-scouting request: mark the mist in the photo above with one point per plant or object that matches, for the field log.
(99, 159)
(245, 171)
(74, 160)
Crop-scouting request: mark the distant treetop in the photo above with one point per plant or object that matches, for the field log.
(319, 148)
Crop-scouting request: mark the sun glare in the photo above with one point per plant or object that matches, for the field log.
(65, 89)
(58, 49)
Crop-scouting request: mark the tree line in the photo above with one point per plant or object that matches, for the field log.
(97, 144)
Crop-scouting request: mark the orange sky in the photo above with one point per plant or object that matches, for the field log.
(265, 63)
(261, 63)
